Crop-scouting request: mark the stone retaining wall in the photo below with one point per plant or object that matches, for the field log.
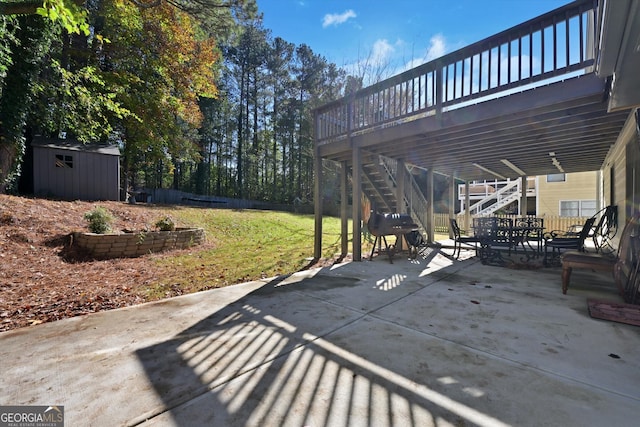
(103, 246)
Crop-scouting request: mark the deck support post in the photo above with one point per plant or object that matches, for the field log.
(467, 205)
(400, 180)
(357, 202)
(523, 197)
(317, 207)
(430, 225)
(452, 202)
(600, 190)
(401, 207)
(344, 208)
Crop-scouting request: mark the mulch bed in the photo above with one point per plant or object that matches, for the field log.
(43, 278)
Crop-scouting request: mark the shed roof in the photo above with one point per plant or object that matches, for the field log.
(75, 145)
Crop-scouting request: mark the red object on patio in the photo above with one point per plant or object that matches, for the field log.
(614, 311)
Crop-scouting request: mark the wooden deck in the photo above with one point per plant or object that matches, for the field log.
(525, 97)
(524, 102)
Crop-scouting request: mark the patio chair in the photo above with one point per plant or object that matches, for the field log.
(624, 266)
(495, 236)
(605, 230)
(416, 242)
(459, 239)
(560, 243)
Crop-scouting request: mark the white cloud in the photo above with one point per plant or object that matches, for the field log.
(377, 65)
(411, 64)
(381, 52)
(383, 59)
(337, 18)
(437, 47)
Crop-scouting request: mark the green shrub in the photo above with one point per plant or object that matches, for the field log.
(166, 224)
(99, 220)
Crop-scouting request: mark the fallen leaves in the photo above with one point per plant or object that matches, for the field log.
(43, 278)
(38, 285)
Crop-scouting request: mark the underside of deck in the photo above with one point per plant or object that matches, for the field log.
(560, 127)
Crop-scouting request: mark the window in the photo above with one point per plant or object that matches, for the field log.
(588, 208)
(577, 207)
(63, 161)
(556, 177)
(569, 208)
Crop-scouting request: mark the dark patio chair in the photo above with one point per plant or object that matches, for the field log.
(605, 230)
(560, 243)
(459, 239)
(416, 242)
(624, 266)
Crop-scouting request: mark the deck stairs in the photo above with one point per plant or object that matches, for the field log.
(506, 194)
(379, 185)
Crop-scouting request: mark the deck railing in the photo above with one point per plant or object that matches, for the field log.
(552, 45)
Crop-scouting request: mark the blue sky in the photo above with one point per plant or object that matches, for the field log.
(394, 33)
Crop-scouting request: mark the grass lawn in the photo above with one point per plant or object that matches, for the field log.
(49, 281)
(245, 245)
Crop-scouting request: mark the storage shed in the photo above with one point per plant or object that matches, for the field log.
(71, 170)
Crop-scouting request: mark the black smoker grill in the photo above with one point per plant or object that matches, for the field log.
(382, 225)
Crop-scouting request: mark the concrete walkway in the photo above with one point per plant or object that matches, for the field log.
(430, 342)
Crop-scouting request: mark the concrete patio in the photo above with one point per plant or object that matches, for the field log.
(420, 342)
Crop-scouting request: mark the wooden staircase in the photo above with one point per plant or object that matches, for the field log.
(379, 185)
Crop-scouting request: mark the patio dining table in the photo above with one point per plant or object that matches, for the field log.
(529, 233)
(499, 234)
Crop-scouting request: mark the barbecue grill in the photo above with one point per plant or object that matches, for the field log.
(382, 225)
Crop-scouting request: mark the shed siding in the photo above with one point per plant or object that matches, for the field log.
(100, 176)
(93, 176)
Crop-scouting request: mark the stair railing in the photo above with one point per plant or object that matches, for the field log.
(494, 201)
(413, 196)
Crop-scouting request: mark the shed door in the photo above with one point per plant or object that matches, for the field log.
(64, 177)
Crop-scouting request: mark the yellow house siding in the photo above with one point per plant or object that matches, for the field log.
(577, 186)
(617, 160)
(615, 170)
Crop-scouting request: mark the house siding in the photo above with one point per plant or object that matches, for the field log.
(577, 186)
(619, 167)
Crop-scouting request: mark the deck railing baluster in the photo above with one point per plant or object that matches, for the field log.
(567, 44)
(555, 44)
(542, 49)
(520, 56)
(462, 74)
(530, 52)
(508, 61)
(582, 44)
